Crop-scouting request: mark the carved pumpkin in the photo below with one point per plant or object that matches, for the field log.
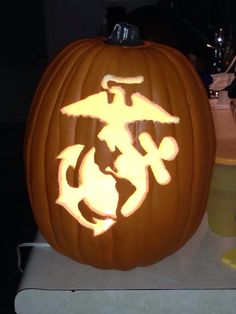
(119, 151)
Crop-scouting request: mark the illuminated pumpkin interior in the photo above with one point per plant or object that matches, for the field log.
(98, 189)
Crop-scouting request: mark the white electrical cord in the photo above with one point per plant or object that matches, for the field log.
(27, 244)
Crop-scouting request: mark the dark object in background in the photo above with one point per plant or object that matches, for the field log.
(232, 89)
(207, 80)
(164, 25)
(114, 15)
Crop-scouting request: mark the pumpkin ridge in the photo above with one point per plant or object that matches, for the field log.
(188, 203)
(195, 171)
(146, 54)
(174, 63)
(174, 130)
(79, 248)
(90, 64)
(136, 229)
(37, 115)
(116, 57)
(105, 49)
(182, 239)
(67, 79)
(57, 102)
(51, 74)
(189, 226)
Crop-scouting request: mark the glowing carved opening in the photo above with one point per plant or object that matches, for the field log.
(98, 189)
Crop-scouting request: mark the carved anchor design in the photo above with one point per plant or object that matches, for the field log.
(130, 164)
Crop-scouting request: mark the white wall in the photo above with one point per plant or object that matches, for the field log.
(69, 20)
(129, 4)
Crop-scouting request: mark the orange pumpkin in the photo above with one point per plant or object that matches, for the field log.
(119, 151)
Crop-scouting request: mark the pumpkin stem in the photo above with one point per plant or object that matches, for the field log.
(124, 34)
